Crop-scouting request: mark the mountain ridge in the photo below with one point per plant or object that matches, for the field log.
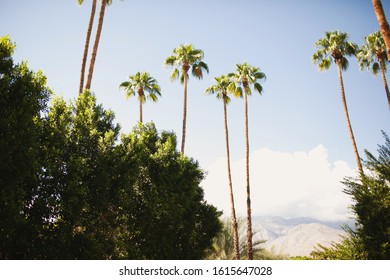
(296, 236)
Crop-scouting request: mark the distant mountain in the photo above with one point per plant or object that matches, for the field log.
(296, 236)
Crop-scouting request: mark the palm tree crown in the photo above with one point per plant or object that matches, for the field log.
(372, 53)
(373, 56)
(334, 45)
(139, 84)
(220, 88)
(186, 57)
(245, 76)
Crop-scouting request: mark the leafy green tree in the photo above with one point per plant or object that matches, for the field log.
(87, 41)
(221, 90)
(335, 47)
(23, 99)
(186, 58)
(77, 181)
(139, 199)
(139, 84)
(245, 76)
(371, 207)
(69, 189)
(349, 248)
(373, 56)
(170, 219)
(372, 203)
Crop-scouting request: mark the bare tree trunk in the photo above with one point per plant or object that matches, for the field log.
(344, 101)
(382, 62)
(249, 249)
(233, 209)
(383, 24)
(86, 46)
(183, 136)
(96, 44)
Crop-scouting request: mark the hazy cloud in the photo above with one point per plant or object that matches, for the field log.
(283, 184)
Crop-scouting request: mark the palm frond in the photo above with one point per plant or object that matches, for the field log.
(258, 88)
(375, 68)
(344, 63)
(174, 75)
(325, 64)
(170, 61)
(124, 84)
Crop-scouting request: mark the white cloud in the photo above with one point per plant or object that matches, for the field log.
(283, 184)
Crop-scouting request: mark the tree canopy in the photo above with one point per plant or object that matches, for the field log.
(73, 187)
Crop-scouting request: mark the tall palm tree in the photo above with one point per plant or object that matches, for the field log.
(221, 90)
(334, 47)
(86, 45)
(139, 84)
(103, 5)
(245, 76)
(383, 24)
(184, 58)
(373, 56)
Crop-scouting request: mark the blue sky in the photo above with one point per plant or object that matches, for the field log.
(299, 114)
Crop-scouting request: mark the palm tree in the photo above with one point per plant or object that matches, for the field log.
(86, 45)
(383, 24)
(222, 249)
(186, 57)
(372, 55)
(103, 5)
(245, 76)
(221, 89)
(139, 84)
(334, 47)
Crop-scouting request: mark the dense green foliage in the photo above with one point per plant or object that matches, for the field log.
(71, 189)
(371, 206)
(23, 97)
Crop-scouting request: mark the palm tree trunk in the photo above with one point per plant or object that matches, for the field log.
(382, 62)
(233, 209)
(344, 101)
(383, 24)
(140, 109)
(249, 249)
(96, 44)
(86, 46)
(183, 136)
